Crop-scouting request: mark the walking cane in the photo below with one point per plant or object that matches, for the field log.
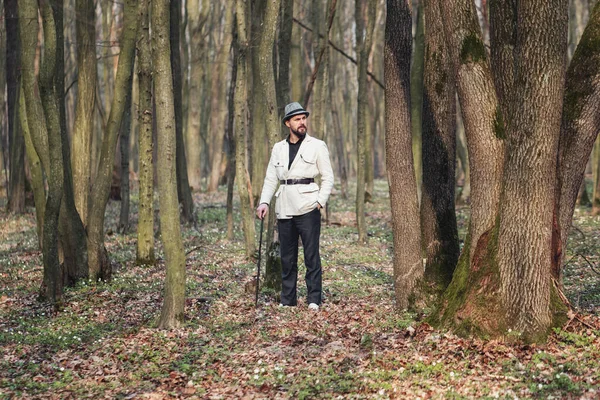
(262, 224)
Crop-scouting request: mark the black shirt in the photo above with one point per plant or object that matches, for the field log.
(294, 148)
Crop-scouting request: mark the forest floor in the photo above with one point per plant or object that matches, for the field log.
(104, 343)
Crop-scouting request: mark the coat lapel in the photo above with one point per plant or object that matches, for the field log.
(298, 155)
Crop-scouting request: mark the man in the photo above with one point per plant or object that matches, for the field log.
(294, 164)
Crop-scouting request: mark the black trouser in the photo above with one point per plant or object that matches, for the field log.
(308, 227)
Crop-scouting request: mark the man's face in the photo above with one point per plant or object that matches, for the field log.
(297, 124)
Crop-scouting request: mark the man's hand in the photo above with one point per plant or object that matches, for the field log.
(262, 210)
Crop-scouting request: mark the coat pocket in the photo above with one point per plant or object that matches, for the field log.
(309, 158)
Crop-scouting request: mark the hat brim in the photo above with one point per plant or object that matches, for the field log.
(294, 114)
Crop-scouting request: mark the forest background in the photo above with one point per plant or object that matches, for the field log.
(82, 125)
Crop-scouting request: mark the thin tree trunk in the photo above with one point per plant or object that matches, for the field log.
(404, 202)
(145, 229)
(172, 313)
(83, 129)
(35, 169)
(219, 103)
(196, 22)
(271, 117)
(241, 101)
(231, 140)
(98, 258)
(363, 46)
(416, 94)
(284, 46)
(16, 184)
(52, 288)
(183, 186)
(124, 149)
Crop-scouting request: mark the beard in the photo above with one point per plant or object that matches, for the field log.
(299, 133)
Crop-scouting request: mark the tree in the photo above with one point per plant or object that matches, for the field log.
(98, 258)
(438, 217)
(172, 313)
(145, 229)
(241, 110)
(404, 203)
(363, 44)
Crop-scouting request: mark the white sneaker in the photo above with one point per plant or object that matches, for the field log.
(313, 306)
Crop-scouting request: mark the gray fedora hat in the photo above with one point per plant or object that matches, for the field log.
(294, 109)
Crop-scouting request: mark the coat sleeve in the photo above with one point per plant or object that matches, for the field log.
(271, 181)
(324, 166)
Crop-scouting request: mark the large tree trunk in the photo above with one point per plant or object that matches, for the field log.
(184, 192)
(438, 217)
(218, 112)
(408, 267)
(363, 44)
(145, 229)
(172, 313)
(475, 277)
(16, 185)
(241, 104)
(580, 125)
(98, 258)
(527, 202)
(196, 22)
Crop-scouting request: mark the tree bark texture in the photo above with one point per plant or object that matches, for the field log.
(53, 273)
(124, 150)
(145, 228)
(527, 203)
(35, 169)
(271, 117)
(363, 44)
(580, 124)
(284, 45)
(98, 258)
(172, 313)
(231, 140)
(404, 203)
(416, 93)
(438, 217)
(241, 101)
(16, 184)
(183, 186)
(83, 129)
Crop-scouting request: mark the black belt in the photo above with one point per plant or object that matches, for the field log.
(303, 181)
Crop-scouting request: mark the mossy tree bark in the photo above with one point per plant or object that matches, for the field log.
(363, 44)
(218, 112)
(98, 258)
(241, 110)
(404, 203)
(172, 313)
(471, 300)
(271, 117)
(145, 229)
(438, 217)
(579, 129)
(184, 192)
(83, 130)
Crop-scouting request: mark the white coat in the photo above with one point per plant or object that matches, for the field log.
(311, 160)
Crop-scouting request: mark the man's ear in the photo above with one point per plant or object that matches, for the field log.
(287, 123)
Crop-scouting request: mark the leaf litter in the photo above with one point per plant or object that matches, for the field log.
(104, 344)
